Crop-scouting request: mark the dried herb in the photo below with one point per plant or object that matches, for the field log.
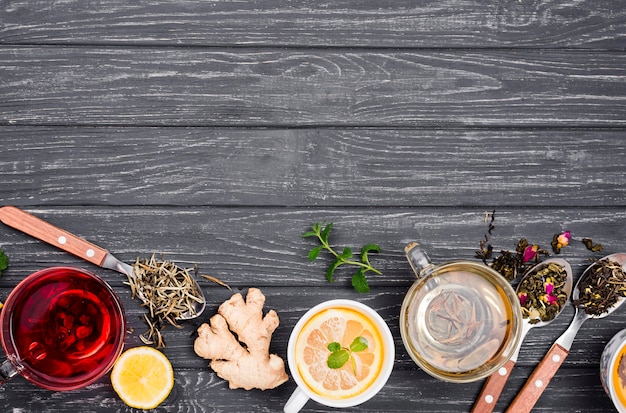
(486, 249)
(542, 294)
(167, 290)
(591, 246)
(506, 264)
(359, 281)
(603, 285)
(511, 265)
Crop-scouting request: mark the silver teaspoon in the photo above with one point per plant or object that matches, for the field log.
(44, 231)
(486, 401)
(554, 358)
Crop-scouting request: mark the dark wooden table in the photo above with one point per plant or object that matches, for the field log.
(216, 133)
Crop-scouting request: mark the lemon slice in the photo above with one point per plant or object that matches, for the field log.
(143, 377)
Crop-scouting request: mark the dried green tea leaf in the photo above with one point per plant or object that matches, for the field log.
(542, 293)
(591, 246)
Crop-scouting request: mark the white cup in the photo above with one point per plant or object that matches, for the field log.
(303, 393)
(609, 362)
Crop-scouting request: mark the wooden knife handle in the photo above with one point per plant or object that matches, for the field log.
(40, 229)
(539, 380)
(486, 401)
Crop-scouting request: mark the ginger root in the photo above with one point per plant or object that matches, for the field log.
(249, 366)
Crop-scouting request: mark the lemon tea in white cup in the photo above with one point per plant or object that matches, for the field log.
(340, 354)
(613, 370)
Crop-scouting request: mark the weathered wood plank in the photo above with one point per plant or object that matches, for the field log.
(387, 300)
(247, 87)
(252, 249)
(253, 246)
(312, 167)
(202, 391)
(425, 24)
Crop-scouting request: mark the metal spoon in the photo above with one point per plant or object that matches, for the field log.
(486, 401)
(42, 230)
(554, 358)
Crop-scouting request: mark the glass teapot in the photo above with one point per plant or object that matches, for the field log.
(459, 321)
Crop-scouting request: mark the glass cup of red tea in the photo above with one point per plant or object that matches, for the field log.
(62, 328)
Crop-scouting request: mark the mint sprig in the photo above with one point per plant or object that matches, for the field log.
(4, 261)
(359, 281)
(339, 356)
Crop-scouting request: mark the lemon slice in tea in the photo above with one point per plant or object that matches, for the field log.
(340, 325)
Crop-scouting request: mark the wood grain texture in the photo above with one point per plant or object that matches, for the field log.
(217, 132)
(251, 87)
(200, 392)
(424, 24)
(248, 247)
(312, 167)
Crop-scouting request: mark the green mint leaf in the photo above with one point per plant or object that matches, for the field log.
(4, 261)
(346, 254)
(331, 270)
(322, 233)
(314, 253)
(334, 346)
(368, 248)
(337, 359)
(325, 232)
(359, 282)
(359, 344)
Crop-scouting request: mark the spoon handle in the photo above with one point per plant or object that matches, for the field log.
(486, 401)
(42, 230)
(539, 380)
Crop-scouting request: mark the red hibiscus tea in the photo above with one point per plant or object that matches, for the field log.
(63, 328)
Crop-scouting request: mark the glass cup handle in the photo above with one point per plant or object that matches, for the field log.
(7, 370)
(296, 402)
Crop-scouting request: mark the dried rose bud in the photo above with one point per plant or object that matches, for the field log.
(551, 299)
(560, 240)
(564, 238)
(530, 252)
(523, 297)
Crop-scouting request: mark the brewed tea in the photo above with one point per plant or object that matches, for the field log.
(619, 376)
(66, 326)
(460, 322)
(341, 326)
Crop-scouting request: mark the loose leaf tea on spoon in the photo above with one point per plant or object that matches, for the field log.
(602, 287)
(168, 291)
(542, 293)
